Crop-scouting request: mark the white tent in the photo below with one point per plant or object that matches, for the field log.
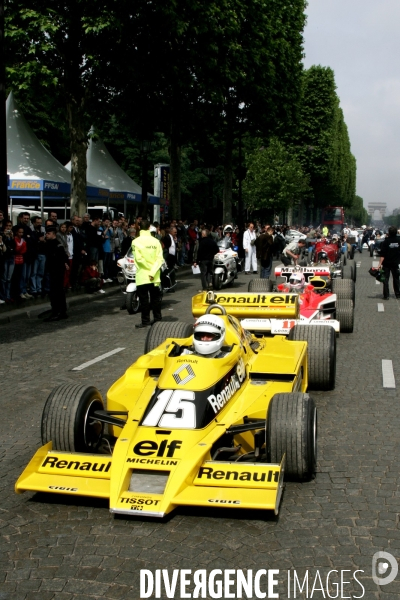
(27, 158)
(33, 170)
(103, 170)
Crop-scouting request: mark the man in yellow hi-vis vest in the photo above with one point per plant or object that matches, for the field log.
(149, 258)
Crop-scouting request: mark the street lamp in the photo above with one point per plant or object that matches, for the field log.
(145, 148)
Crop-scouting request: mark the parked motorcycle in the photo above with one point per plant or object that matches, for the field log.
(127, 281)
(226, 264)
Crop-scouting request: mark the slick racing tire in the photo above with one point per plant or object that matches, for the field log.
(352, 264)
(321, 351)
(291, 429)
(217, 282)
(348, 272)
(345, 315)
(68, 420)
(132, 303)
(260, 285)
(344, 289)
(163, 330)
(343, 259)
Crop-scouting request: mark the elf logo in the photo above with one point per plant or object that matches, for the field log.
(150, 448)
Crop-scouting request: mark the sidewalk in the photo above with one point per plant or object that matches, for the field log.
(28, 309)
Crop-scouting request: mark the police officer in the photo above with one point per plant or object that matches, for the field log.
(389, 260)
(149, 258)
(56, 263)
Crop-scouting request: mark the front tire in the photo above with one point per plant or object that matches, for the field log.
(352, 264)
(68, 420)
(345, 315)
(321, 351)
(291, 429)
(344, 289)
(132, 302)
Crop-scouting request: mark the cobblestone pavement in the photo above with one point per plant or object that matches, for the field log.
(65, 548)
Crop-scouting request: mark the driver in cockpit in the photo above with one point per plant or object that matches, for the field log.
(208, 338)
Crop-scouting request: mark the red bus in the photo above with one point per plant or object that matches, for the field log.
(333, 218)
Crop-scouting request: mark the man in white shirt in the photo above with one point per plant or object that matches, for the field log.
(249, 240)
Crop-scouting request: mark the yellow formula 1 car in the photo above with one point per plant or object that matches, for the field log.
(184, 428)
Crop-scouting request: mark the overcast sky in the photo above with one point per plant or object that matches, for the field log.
(360, 41)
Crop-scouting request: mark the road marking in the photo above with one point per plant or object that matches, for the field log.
(387, 374)
(377, 282)
(381, 308)
(98, 359)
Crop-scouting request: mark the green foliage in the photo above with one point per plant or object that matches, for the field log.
(322, 142)
(275, 178)
(392, 220)
(357, 214)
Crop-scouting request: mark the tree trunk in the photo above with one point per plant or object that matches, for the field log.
(144, 205)
(175, 177)
(227, 193)
(78, 139)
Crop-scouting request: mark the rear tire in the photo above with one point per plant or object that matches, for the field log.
(132, 302)
(260, 285)
(291, 429)
(321, 342)
(67, 418)
(344, 289)
(280, 280)
(343, 260)
(163, 330)
(345, 315)
(217, 282)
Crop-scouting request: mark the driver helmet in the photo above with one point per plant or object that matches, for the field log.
(228, 229)
(322, 256)
(209, 334)
(297, 280)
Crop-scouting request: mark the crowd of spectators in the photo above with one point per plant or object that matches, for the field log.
(92, 247)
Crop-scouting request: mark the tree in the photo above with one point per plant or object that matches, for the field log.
(275, 179)
(322, 142)
(357, 214)
(256, 87)
(62, 50)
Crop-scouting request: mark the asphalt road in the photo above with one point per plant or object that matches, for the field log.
(59, 547)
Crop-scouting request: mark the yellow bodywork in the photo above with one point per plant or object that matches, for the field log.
(161, 462)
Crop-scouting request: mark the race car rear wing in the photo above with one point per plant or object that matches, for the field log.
(283, 326)
(248, 305)
(308, 272)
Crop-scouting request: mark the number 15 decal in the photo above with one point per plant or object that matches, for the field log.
(164, 412)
